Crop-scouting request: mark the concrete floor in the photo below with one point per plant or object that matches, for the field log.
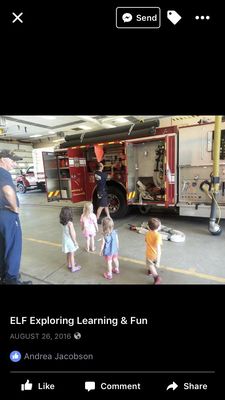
(199, 260)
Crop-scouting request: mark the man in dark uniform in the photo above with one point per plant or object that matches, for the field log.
(10, 229)
(102, 196)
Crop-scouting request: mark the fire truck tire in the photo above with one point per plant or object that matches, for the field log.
(117, 202)
(144, 209)
(21, 188)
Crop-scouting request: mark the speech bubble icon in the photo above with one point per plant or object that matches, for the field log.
(127, 17)
(89, 386)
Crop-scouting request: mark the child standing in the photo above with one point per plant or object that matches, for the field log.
(89, 226)
(153, 241)
(110, 247)
(69, 241)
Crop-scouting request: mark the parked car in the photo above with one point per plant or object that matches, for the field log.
(30, 180)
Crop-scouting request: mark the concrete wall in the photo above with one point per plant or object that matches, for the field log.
(21, 150)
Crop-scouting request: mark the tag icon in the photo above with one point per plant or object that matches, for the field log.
(173, 16)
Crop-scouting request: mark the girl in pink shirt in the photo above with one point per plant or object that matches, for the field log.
(89, 226)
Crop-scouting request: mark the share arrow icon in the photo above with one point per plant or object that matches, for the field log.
(172, 386)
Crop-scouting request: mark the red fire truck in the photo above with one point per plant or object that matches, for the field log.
(166, 167)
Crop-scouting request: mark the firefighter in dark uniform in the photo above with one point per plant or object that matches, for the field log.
(102, 196)
(10, 229)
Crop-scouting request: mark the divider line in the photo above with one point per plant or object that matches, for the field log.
(112, 372)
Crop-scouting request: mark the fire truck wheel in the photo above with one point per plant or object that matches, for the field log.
(144, 209)
(117, 203)
(21, 188)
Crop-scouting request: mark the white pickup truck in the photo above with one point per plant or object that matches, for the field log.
(30, 180)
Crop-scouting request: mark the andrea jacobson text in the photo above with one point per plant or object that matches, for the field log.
(58, 356)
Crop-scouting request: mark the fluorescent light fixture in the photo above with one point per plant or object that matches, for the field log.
(35, 135)
(58, 140)
(83, 126)
(47, 116)
(121, 120)
(51, 132)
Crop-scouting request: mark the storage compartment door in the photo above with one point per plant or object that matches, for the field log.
(78, 174)
(170, 170)
(51, 176)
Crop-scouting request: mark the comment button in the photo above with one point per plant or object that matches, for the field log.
(138, 17)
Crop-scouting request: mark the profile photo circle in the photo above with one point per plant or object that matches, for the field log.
(15, 356)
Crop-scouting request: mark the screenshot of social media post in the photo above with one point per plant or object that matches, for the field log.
(112, 254)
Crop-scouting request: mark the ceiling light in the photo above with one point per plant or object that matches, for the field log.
(84, 127)
(121, 120)
(51, 132)
(58, 140)
(35, 135)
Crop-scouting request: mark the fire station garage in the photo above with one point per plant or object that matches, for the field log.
(161, 174)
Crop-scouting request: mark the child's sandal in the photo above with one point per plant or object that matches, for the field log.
(107, 275)
(76, 268)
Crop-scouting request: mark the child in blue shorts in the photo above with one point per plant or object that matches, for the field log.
(110, 247)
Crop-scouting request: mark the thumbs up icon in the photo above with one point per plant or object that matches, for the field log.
(26, 386)
(15, 356)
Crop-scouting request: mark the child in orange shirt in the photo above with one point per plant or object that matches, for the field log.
(153, 241)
